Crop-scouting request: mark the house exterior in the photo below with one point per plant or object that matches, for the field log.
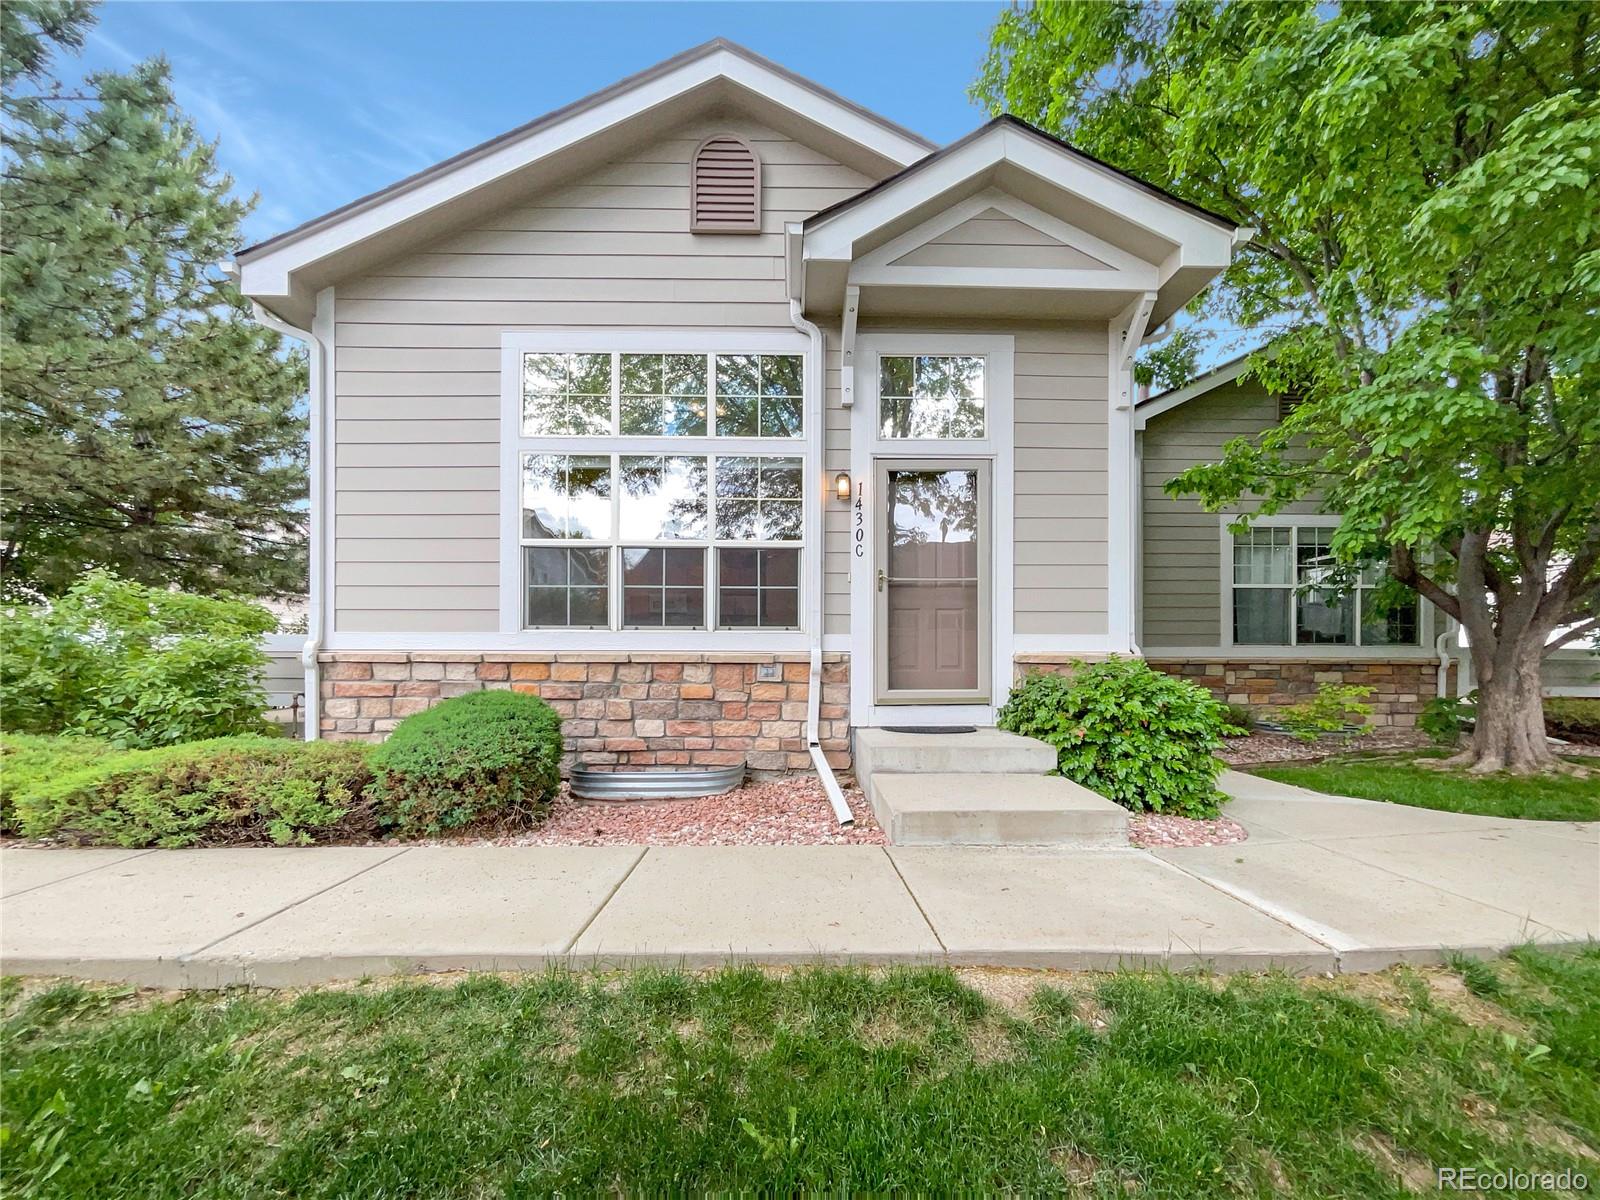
(729, 416)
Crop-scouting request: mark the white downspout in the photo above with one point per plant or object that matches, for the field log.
(1443, 651)
(314, 609)
(816, 399)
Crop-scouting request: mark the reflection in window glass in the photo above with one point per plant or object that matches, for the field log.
(566, 496)
(758, 588)
(566, 394)
(567, 586)
(663, 395)
(663, 497)
(663, 586)
(759, 499)
(1288, 588)
(1325, 609)
(759, 395)
(930, 396)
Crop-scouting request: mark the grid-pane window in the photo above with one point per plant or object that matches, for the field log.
(620, 530)
(758, 588)
(759, 499)
(936, 396)
(759, 395)
(566, 394)
(566, 496)
(663, 586)
(1288, 589)
(567, 586)
(663, 497)
(663, 395)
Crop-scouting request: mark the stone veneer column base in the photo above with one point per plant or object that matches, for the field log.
(625, 709)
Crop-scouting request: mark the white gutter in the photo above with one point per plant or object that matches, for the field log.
(1443, 652)
(814, 431)
(314, 613)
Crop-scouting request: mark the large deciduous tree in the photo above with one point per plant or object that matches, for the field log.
(148, 424)
(1422, 181)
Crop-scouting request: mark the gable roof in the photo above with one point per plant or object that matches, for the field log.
(708, 73)
(1165, 402)
(1007, 120)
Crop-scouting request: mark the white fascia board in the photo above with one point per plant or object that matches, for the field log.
(267, 272)
(1202, 241)
(1189, 391)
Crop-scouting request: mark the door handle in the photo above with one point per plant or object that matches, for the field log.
(881, 578)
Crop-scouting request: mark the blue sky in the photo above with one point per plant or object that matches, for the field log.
(315, 104)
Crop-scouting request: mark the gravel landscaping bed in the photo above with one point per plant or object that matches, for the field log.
(1159, 831)
(781, 812)
(1262, 746)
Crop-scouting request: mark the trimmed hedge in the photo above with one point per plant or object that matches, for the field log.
(1141, 738)
(29, 760)
(221, 792)
(482, 756)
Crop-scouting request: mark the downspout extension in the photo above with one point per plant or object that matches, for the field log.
(814, 381)
(314, 621)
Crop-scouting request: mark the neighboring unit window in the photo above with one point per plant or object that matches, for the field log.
(1287, 590)
(616, 538)
(931, 396)
(758, 395)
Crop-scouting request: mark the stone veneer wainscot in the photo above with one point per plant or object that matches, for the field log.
(656, 709)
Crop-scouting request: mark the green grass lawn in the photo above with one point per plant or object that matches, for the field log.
(1134, 1084)
(1396, 779)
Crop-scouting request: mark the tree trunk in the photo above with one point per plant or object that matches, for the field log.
(1509, 732)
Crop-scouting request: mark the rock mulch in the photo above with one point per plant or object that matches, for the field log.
(1153, 831)
(783, 812)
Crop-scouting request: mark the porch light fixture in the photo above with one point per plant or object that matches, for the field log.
(842, 486)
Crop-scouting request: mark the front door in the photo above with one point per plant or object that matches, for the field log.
(931, 597)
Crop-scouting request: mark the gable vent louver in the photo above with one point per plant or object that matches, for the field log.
(725, 187)
(1287, 403)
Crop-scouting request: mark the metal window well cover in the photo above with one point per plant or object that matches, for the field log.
(660, 784)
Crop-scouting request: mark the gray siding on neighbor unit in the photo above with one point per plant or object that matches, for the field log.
(417, 353)
(1180, 600)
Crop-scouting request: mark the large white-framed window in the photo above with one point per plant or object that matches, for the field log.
(658, 488)
(1282, 588)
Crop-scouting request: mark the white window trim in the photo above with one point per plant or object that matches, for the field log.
(513, 345)
(1291, 649)
(998, 445)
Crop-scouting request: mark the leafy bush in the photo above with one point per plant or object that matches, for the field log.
(29, 760)
(483, 755)
(1237, 720)
(1334, 709)
(1120, 727)
(134, 665)
(1573, 718)
(1445, 718)
(226, 791)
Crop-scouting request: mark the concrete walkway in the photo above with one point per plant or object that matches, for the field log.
(1323, 884)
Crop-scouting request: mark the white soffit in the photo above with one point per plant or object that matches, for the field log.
(716, 75)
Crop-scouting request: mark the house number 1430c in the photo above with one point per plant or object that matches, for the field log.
(861, 526)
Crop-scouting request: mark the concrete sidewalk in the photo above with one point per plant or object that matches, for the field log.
(1324, 884)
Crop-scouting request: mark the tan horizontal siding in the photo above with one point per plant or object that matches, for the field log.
(418, 354)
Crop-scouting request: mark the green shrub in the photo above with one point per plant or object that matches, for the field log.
(29, 760)
(1336, 708)
(1445, 718)
(226, 791)
(1135, 735)
(1573, 718)
(1237, 720)
(485, 755)
(134, 665)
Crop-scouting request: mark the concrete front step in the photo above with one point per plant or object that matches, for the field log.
(982, 752)
(968, 809)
